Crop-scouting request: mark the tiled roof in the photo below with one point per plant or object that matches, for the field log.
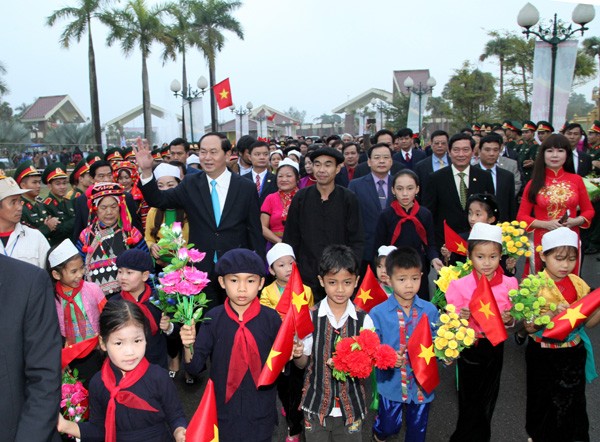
(42, 106)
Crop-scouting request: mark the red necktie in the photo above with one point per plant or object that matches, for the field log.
(117, 394)
(244, 353)
(407, 156)
(258, 183)
(68, 319)
(143, 298)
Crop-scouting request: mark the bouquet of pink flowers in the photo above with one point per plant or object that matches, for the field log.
(74, 400)
(180, 287)
(356, 356)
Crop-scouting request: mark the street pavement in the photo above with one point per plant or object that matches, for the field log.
(509, 417)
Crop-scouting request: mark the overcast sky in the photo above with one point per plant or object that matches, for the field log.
(310, 54)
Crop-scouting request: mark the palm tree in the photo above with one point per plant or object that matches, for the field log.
(70, 134)
(138, 25)
(182, 36)
(82, 16)
(3, 86)
(13, 132)
(499, 47)
(210, 18)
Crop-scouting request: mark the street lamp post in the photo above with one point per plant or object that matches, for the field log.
(240, 113)
(260, 118)
(555, 34)
(419, 91)
(380, 106)
(189, 95)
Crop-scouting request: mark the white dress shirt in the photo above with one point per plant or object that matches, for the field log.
(455, 173)
(222, 186)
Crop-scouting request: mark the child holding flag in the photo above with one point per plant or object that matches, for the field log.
(281, 261)
(405, 223)
(380, 269)
(333, 410)
(482, 298)
(400, 394)
(244, 411)
(557, 369)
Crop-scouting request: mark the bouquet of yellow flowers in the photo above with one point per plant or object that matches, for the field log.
(514, 241)
(453, 335)
(527, 304)
(448, 274)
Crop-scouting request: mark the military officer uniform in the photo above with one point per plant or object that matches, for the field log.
(61, 208)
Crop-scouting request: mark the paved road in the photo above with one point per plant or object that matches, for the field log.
(509, 417)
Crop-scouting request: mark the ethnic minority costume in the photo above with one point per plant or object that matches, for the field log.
(415, 229)
(331, 406)
(398, 389)
(154, 417)
(249, 415)
(277, 205)
(479, 366)
(79, 317)
(136, 193)
(556, 375)
(289, 383)
(563, 191)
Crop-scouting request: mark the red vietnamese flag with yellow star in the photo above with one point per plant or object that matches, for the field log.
(453, 241)
(485, 311)
(280, 353)
(573, 316)
(293, 300)
(422, 357)
(369, 293)
(204, 424)
(223, 94)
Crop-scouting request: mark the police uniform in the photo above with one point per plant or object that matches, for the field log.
(60, 208)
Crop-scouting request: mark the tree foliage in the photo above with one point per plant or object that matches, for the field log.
(578, 105)
(71, 134)
(3, 85)
(471, 93)
(396, 114)
(13, 132)
(296, 114)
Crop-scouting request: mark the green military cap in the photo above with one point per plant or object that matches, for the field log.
(156, 154)
(81, 168)
(529, 125)
(113, 154)
(545, 126)
(26, 168)
(595, 127)
(54, 171)
(128, 154)
(92, 158)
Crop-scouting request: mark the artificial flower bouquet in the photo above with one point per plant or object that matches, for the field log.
(448, 274)
(528, 305)
(356, 356)
(514, 241)
(74, 397)
(453, 335)
(180, 287)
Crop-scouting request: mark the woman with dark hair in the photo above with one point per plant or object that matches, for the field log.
(276, 205)
(555, 197)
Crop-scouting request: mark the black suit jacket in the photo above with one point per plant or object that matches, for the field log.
(240, 219)
(268, 186)
(505, 194)
(363, 169)
(584, 164)
(423, 169)
(416, 155)
(443, 200)
(30, 346)
(370, 208)
(82, 214)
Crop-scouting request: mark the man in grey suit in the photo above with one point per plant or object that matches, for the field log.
(513, 167)
(373, 194)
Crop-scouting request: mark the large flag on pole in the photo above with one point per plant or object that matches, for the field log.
(369, 293)
(204, 424)
(486, 313)
(576, 314)
(223, 94)
(422, 357)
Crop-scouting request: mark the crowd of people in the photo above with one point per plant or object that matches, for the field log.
(334, 207)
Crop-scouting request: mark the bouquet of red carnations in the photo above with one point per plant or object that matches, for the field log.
(356, 356)
(74, 400)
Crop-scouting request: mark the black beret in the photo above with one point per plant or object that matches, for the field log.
(328, 151)
(135, 259)
(240, 261)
